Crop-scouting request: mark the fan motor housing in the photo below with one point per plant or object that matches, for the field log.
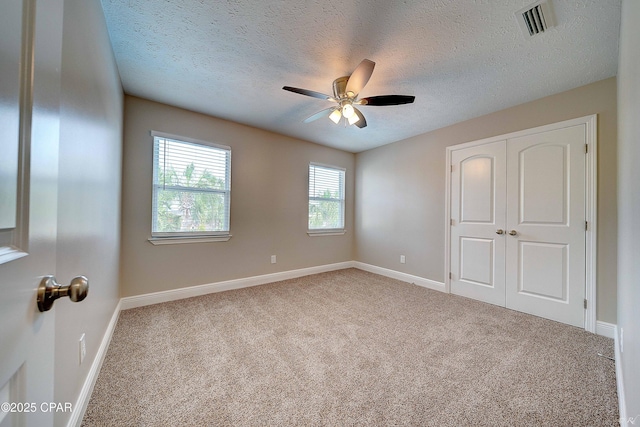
(340, 87)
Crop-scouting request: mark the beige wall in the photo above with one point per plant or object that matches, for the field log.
(269, 174)
(88, 194)
(400, 188)
(629, 207)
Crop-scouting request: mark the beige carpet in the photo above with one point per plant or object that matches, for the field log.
(349, 348)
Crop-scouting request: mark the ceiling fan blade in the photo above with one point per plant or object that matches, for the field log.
(309, 93)
(387, 100)
(360, 77)
(362, 122)
(319, 115)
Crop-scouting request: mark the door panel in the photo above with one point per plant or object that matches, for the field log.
(543, 180)
(476, 192)
(477, 261)
(477, 200)
(10, 46)
(543, 270)
(27, 336)
(546, 207)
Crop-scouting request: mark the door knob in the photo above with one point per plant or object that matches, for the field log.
(49, 291)
(499, 231)
(513, 233)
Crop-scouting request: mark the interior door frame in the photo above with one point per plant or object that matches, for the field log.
(591, 204)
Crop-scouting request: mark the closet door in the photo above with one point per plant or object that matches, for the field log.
(545, 244)
(477, 222)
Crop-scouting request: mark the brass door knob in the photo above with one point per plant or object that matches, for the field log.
(49, 291)
(513, 233)
(499, 231)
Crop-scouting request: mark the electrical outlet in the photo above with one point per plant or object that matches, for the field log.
(402, 259)
(621, 340)
(83, 348)
(273, 259)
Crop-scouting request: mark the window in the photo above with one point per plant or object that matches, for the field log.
(326, 199)
(191, 189)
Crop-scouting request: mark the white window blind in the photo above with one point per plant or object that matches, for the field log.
(191, 187)
(326, 197)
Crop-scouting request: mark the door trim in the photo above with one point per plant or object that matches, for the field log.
(591, 204)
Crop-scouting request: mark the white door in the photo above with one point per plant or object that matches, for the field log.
(518, 223)
(477, 216)
(28, 205)
(546, 215)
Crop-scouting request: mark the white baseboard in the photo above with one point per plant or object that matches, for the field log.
(87, 388)
(610, 330)
(417, 280)
(606, 329)
(622, 406)
(194, 291)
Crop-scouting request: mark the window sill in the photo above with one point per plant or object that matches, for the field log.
(180, 240)
(317, 233)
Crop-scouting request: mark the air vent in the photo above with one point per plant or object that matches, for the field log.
(535, 18)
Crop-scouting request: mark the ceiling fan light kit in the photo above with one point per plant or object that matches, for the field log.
(345, 94)
(347, 110)
(335, 116)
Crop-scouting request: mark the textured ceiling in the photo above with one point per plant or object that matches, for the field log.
(460, 58)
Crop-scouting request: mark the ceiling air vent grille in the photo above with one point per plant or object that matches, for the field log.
(536, 18)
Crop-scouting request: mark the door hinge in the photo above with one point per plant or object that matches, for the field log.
(452, 222)
(450, 275)
(451, 168)
(586, 226)
(585, 303)
(586, 148)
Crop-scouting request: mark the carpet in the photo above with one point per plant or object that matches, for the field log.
(349, 348)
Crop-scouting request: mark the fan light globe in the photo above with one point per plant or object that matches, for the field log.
(353, 119)
(335, 116)
(348, 111)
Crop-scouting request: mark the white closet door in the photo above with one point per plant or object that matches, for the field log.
(477, 213)
(545, 247)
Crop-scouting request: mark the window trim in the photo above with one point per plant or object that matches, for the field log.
(327, 232)
(168, 238)
(315, 232)
(156, 241)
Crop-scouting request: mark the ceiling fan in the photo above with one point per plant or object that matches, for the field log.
(345, 94)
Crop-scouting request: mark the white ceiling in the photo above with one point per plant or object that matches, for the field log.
(460, 58)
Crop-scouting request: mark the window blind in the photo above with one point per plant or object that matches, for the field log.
(191, 188)
(326, 197)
